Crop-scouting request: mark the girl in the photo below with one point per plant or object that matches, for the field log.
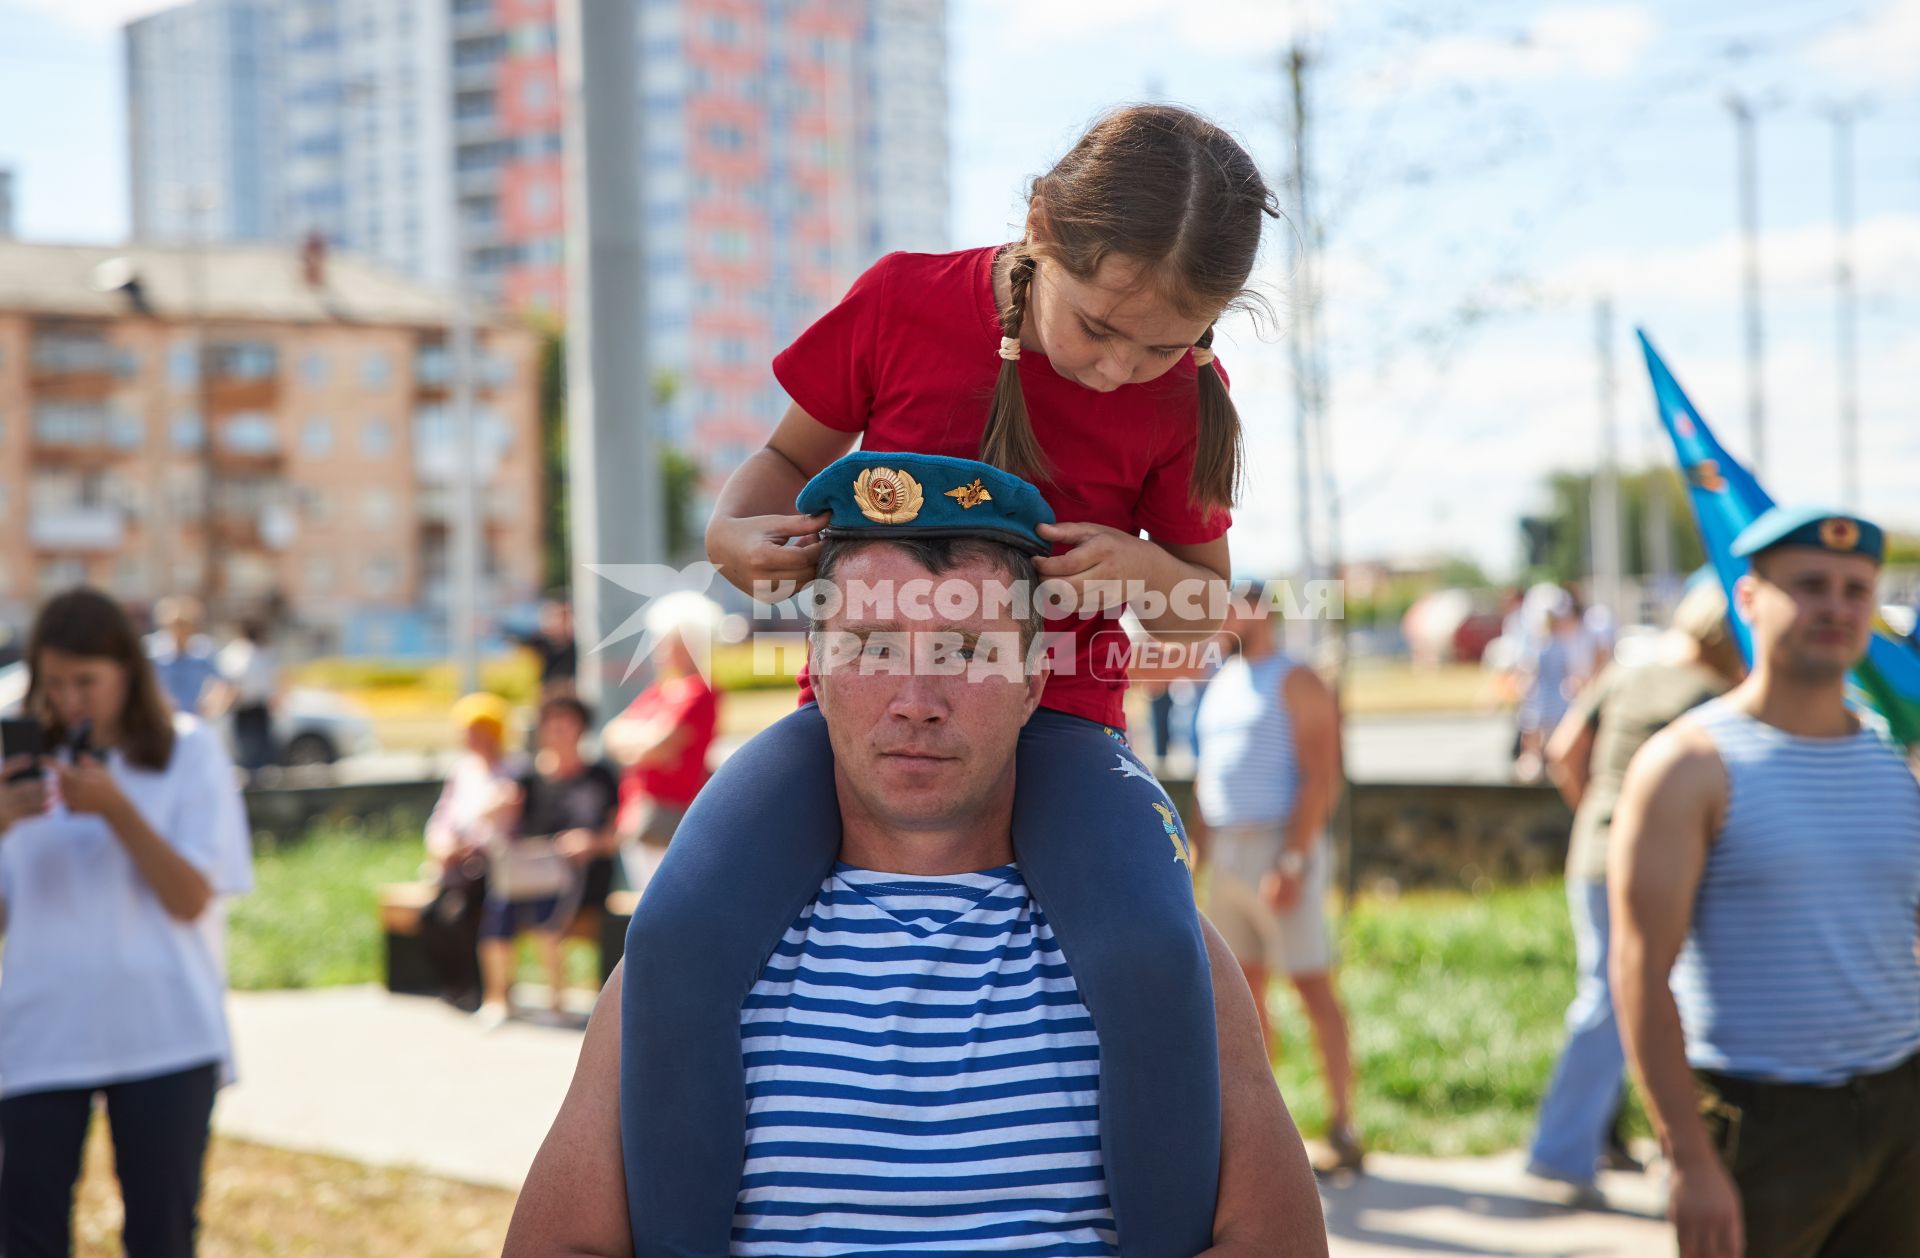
(1080, 358)
(114, 980)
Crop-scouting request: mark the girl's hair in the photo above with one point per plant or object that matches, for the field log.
(87, 623)
(1170, 191)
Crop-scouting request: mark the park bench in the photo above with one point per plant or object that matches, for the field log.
(410, 971)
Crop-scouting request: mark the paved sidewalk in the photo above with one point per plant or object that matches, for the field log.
(403, 1081)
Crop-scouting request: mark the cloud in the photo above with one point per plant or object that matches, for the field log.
(97, 17)
(1884, 48)
(1580, 41)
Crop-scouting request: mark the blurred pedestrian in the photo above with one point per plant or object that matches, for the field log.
(552, 642)
(553, 852)
(1268, 779)
(183, 657)
(250, 669)
(1587, 759)
(661, 742)
(458, 835)
(1764, 880)
(1553, 668)
(113, 853)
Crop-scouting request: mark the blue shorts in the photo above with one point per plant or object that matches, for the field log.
(506, 919)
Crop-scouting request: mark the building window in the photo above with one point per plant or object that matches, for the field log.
(376, 371)
(383, 575)
(433, 366)
(539, 199)
(377, 506)
(313, 369)
(242, 360)
(316, 439)
(250, 433)
(125, 431)
(319, 574)
(376, 439)
(60, 353)
(314, 504)
(535, 94)
(186, 431)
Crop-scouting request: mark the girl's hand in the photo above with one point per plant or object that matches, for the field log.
(20, 800)
(1102, 563)
(86, 786)
(753, 549)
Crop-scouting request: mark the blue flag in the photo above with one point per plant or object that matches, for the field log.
(1726, 498)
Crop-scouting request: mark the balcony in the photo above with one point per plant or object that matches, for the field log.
(90, 529)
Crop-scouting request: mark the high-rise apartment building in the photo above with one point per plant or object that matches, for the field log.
(785, 144)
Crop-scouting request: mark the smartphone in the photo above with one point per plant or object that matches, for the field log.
(22, 736)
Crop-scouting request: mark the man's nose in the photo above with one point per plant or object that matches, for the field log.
(922, 697)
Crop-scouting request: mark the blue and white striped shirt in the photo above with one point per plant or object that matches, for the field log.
(1799, 966)
(1249, 772)
(921, 1077)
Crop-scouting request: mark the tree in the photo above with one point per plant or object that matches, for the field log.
(679, 473)
(1567, 544)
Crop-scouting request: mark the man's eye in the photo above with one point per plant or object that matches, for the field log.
(966, 653)
(879, 650)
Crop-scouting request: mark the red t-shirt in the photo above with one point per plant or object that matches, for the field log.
(909, 359)
(687, 702)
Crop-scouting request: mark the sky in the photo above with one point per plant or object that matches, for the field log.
(1483, 174)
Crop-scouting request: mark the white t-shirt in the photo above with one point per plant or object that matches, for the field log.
(100, 984)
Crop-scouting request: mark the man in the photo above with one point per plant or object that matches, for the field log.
(1268, 777)
(553, 642)
(1587, 758)
(1765, 878)
(921, 1072)
(552, 842)
(182, 656)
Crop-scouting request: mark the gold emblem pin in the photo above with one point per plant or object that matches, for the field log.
(970, 496)
(886, 495)
(1839, 534)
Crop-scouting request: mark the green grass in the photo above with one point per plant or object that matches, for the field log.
(1455, 1005)
(312, 920)
(1455, 1001)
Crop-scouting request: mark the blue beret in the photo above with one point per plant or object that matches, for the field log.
(1816, 527)
(895, 494)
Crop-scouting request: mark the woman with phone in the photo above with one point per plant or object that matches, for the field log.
(112, 860)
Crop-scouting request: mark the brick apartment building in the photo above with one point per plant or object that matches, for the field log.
(258, 426)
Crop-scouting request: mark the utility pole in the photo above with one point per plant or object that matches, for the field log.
(1604, 504)
(1749, 177)
(1300, 325)
(1846, 305)
(613, 459)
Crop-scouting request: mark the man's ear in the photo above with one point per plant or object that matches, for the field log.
(1036, 684)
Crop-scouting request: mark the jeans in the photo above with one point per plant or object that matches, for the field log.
(1577, 1111)
(159, 1129)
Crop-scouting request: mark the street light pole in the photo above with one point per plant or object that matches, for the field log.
(1846, 307)
(1749, 177)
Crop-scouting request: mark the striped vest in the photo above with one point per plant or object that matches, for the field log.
(1248, 771)
(921, 1073)
(1799, 966)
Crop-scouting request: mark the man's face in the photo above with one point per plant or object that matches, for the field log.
(560, 732)
(1811, 611)
(924, 700)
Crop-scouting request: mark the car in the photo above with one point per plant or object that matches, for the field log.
(309, 726)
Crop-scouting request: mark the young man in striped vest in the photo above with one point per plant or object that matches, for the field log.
(1764, 881)
(922, 1072)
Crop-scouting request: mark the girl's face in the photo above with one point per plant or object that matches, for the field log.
(1105, 331)
(86, 688)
